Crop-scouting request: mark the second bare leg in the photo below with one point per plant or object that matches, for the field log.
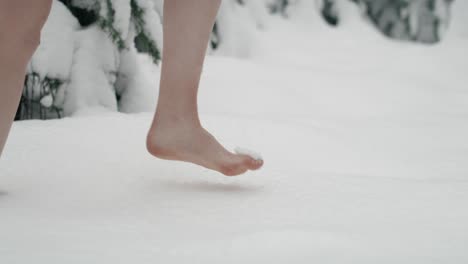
(21, 22)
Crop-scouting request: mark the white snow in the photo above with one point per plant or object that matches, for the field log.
(47, 101)
(122, 14)
(139, 81)
(365, 150)
(138, 75)
(253, 154)
(95, 64)
(54, 56)
(237, 29)
(153, 20)
(460, 19)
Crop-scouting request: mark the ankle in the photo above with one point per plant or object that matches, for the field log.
(172, 120)
(165, 128)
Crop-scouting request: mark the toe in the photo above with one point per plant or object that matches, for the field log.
(233, 169)
(252, 164)
(255, 164)
(236, 165)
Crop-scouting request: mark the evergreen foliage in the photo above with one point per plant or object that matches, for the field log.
(330, 13)
(39, 94)
(103, 13)
(37, 101)
(86, 16)
(413, 20)
(279, 6)
(106, 22)
(143, 41)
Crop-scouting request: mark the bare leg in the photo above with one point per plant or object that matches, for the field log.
(21, 22)
(176, 132)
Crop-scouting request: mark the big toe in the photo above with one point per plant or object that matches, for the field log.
(233, 169)
(238, 164)
(252, 164)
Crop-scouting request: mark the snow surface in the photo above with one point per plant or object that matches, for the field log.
(365, 149)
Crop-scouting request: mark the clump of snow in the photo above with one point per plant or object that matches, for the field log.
(307, 12)
(86, 4)
(138, 82)
(442, 12)
(158, 6)
(122, 14)
(54, 56)
(248, 152)
(93, 72)
(153, 20)
(237, 30)
(259, 12)
(47, 101)
(458, 24)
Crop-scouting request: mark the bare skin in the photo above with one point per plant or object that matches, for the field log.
(176, 132)
(21, 22)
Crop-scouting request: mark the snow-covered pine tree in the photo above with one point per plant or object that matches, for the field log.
(329, 11)
(146, 21)
(48, 71)
(89, 77)
(414, 20)
(459, 24)
(117, 17)
(279, 6)
(236, 26)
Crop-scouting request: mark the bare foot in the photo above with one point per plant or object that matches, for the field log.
(188, 142)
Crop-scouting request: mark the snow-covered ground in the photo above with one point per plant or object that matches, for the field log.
(366, 161)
